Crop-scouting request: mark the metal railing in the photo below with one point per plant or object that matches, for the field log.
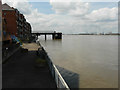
(60, 82)
(56, 74)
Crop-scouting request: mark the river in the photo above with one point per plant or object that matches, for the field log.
(85, 61)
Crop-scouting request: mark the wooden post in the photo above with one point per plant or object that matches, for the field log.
(60, 35)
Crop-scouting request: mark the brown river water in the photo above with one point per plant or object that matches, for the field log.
(85, 61)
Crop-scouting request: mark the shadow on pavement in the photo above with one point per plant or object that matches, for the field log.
(20, 71)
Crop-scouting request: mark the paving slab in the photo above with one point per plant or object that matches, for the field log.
(20, 71)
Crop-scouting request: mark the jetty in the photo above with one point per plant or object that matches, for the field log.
(55, 35)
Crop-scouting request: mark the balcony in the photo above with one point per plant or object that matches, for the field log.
(20, 24)
(20, 30)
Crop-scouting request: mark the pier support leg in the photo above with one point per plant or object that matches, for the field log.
(45, 37)
(53, 36)
(37, 36)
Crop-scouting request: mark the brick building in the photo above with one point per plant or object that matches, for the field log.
(16, 22)
(5, 35)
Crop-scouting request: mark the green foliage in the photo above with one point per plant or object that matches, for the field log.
(40, 61)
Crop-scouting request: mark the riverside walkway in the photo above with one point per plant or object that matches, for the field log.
(20, 70)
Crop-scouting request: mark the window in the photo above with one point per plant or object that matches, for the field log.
(4, 13)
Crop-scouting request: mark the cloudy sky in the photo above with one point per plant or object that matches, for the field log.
(69, 17)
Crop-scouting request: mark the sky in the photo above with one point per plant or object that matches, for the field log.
(71, 17)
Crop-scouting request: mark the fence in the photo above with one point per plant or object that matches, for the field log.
(56, 75)
(61, 84)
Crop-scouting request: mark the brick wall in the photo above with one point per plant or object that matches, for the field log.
(10, 17)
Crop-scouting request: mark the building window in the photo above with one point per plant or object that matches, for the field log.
(4, 13)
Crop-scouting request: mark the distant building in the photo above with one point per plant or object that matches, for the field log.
(101, 33)
(16, 22)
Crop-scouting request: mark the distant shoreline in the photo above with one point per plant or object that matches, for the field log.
(93, 34)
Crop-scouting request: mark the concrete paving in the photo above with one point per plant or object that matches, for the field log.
(20, 71)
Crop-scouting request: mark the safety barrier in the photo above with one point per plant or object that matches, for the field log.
(54, 71)
(56, 75)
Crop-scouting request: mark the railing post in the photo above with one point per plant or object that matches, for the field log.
(58, 82)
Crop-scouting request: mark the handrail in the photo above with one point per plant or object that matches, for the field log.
(61, 78)
(60, 82)
(56, 75)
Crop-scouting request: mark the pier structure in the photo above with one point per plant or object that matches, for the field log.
(55, 35)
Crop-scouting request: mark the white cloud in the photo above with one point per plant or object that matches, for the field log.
(70, 17)
(13, 2)
(104, 14)
(70, 8)
(24, 6)
(80, 9)
(81, 0)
